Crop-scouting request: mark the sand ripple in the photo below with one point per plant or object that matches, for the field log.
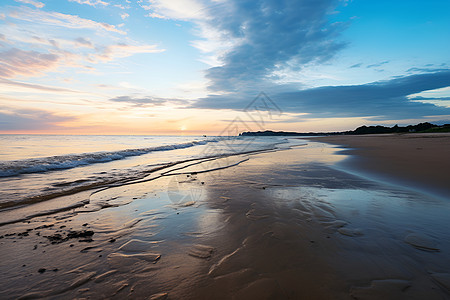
(381, 289)
(421, 241)
(443, 279)
(137, 246)
(201, 251)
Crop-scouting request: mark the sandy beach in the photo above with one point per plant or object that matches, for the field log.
(419, 160)
(286, 224)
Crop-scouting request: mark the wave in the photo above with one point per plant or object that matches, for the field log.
(44, 164)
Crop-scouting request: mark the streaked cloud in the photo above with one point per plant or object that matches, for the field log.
(377, 64)
(178, 9)
(16, 62)
(61, 20)
(157, 16)
(382, 100)
(146, 101)
(72, 42)
(30, 119)
(91, 2)
(122, 6)
(121, 50)
(36, 87)
(356, 66)
(83, 42)
(34, 3)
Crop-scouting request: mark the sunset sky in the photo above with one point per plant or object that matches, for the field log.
(193, 66)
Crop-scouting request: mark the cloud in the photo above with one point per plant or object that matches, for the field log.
(261, 37)
(271, 36)
(62, 20)
(380, 100)
(420, 98)
(177, 9)
(155, 15)
(122, 50)
(54, 41)
(425, 70)
(84, 42)
(124, 16)
(29, 119)
(378, 64)
(356, 66)
(34, 3)
(37, 87)
(91, 2)
(16, 62)
(121, 6)
(145, 101)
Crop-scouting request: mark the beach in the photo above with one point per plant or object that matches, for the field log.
(311, 220)
(419, 160)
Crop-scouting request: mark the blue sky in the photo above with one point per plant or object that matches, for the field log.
(191, 66)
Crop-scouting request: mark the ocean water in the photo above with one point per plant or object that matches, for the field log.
(37, 168)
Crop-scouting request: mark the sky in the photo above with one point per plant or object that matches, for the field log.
(211, 67)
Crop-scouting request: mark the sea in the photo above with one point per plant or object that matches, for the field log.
(38, 168)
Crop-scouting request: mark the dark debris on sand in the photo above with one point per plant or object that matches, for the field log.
(58, 238)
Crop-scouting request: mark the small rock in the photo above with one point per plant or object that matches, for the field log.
(42, 270)
(112, 240)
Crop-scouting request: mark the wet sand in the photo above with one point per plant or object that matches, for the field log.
(275, 225)
(415, 159)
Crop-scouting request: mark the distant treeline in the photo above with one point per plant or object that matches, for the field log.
(421, 128)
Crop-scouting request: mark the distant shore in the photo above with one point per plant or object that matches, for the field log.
(416, 159)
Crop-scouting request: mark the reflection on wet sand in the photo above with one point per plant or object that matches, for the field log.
(273, 225)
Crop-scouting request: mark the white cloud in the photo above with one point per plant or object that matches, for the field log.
(91, 2)
(177, 9)
(121, 6)
(34, 3)
(62, 20)
(124, 16)
(155, 15)
(122, 50)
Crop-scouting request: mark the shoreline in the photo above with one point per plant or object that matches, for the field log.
(415, 160)
(280, 224)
